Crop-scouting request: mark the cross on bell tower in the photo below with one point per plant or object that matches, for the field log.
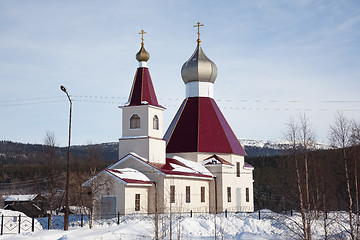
(142, 36)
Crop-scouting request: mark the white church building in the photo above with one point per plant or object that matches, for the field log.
(198, 165)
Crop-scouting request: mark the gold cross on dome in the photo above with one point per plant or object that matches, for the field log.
(142, 36)
(198, 25)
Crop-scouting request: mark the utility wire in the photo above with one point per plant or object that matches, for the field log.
(120, 101)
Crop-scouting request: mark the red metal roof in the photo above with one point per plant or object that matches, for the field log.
(199, 126)
(142, 89)
(248, 165)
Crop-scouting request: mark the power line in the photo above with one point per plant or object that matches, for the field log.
(120, 101)
(180, 99)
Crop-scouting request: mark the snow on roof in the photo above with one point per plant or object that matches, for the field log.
(129, 175)
(214, 159)
(20, 198)
(181, 166)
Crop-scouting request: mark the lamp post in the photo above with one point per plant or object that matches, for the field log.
(66, 217)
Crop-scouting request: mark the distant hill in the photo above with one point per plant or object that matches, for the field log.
(259, 148)
(14, 153)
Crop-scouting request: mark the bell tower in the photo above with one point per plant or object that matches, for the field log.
(142, 117)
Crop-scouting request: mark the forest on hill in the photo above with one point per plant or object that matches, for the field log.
(299, 177)
(275, 185)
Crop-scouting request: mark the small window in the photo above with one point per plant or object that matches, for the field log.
(156, 122)
(237, 169)
(229, 194)
(137, 202)
(134, 121)
(187, 194)
(202, 190)
(247, 195)
(172, 194)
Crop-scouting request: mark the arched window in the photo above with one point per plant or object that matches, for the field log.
(156, 122)
(134, 121)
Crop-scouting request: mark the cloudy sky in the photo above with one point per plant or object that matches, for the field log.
(275, 59)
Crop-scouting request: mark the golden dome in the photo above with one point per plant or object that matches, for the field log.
(142, 55)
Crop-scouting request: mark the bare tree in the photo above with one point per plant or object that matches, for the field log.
(355, 137)
(50, 159)
(307, 139)
(292, 136)
(93, 159)
(340, 133)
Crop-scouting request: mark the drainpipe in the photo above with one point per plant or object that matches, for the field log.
(156, 214)
(216, 196)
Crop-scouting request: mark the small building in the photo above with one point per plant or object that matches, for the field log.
(30, 204)
(198, 165)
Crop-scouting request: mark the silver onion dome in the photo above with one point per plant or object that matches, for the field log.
(199, 68)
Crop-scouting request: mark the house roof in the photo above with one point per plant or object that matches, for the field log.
(215, 159)
(199, 126)
(21, 198)
(129, 175)
(30, 209)
(142, 91)
(248, 165)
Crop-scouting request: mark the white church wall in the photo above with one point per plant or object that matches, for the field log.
(110, 186)
(150, 148)
(156, 133)
(146, 114)
(129, 111)
(181, 205)
(107, 186)
(155, 175)
(130, 202)
(226, 177)
(157, 150)
(199, 89)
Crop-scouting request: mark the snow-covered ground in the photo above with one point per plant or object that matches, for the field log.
(235, 226)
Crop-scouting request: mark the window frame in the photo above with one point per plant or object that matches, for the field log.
(137, 202)
(188, 194)
(135, 121)
(172, 193)
(247, 194)
(202, 194)
(156, 122)
(228, 194)
(237, 169)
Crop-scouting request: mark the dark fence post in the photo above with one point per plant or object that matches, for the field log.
(118, 222)
(33, 224)
(2, 224)
(291, 212)
(325, 214)
(225, 213)
(259, 215)
(190, 213)
(19, 222)
(48, 222)
(82, 216)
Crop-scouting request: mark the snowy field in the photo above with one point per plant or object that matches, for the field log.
(235, 226)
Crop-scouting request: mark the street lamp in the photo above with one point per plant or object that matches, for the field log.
(66, 217)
